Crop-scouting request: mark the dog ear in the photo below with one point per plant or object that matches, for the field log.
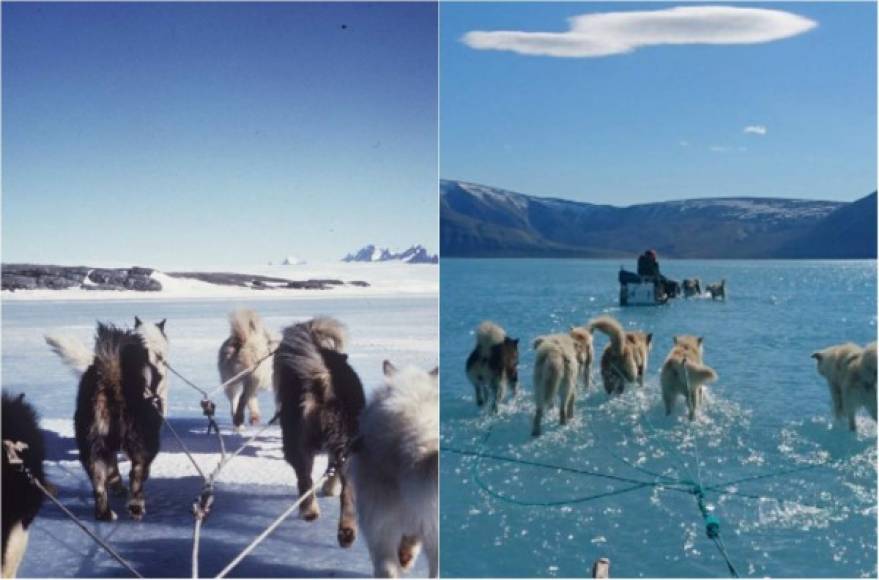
(161, 325)
(649, 337)
(818, 355)
(435, 372)
(137, 322)
(699, 340)
(388, 369)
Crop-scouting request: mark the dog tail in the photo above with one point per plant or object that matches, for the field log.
(698, 373)
(328, 333)
(613, 329)
(108, 349)
(300, 352)
(73, 352)
(244, 323)
(489, 334)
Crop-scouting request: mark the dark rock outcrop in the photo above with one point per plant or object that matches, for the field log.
(36, 277)
(39, 277)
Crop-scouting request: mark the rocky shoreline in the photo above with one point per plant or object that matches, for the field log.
(48, 277)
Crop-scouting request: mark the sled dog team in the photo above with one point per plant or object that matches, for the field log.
(386, 450)
(693, 287)
(563, 365)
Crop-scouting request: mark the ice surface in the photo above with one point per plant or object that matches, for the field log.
(252, 491)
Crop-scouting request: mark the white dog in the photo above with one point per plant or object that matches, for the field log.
(249, 343)
(395, 471)
(850, 371)
(561, 361)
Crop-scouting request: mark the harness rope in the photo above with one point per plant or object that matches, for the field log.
(202, 506)
(329, 473)
(13, 448)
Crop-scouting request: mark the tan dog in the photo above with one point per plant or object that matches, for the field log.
(684, 374)
(249, 343)
(851, 374)
(625, 359)
(561, 360)
(717, 290)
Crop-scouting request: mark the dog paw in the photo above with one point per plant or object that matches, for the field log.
(107, 516)
(346, 536)
(332, 487)
(136, 509)
(310, 513)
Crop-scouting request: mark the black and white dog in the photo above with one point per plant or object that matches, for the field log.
(122, 397)
(21, 500)
(493, 365)
(321, 398)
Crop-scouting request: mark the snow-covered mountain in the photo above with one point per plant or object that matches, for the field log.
(417, 254)
(477, 220)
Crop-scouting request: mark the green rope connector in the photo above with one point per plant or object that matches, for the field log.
(712, 526)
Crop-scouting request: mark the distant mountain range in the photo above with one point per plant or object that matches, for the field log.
(481, 221)
(413, 255)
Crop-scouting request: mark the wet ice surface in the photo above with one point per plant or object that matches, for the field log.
(768, 413)
(254, 489)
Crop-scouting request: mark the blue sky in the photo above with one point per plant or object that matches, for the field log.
(662, 122)
(196, 133)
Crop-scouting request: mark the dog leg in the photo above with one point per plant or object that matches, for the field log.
(538, 419)
(233, 392)
(16, 545)
(253, 409)
(836, 398)
(431, 550)
(347, 518)
(140, 471)
(497, 392)
(332, 487)
(480, 394)
(114, 479)
(565, 405)
(383, 551)
(99, 470)
(248, 391)
(303, 464)
(668, 398)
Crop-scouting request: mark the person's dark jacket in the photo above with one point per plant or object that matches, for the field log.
(648, 266)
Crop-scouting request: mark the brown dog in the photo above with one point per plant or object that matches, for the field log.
(624, 360)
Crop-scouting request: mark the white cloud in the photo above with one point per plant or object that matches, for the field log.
(755, 129)
(719, 148)
(684, 143)
(608, 33)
